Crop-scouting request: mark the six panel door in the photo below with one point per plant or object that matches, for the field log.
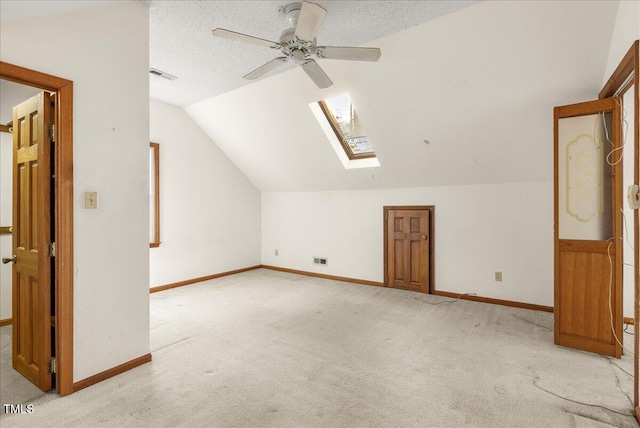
(408, 254)
(32, 349)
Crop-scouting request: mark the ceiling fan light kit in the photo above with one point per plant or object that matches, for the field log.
(298, 44)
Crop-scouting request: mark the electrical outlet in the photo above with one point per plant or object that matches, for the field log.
(91, 200)
(320, 261)
(498, 276)
(276, 252)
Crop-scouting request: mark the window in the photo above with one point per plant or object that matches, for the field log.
(345, 123)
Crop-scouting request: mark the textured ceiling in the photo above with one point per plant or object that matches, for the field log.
(479, 84)
(181, 43)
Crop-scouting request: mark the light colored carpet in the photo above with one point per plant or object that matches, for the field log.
(15, 389)
(268, 349)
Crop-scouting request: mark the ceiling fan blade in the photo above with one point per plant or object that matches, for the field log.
(317, 74)
(221, 32)
(349, 53)
(311, 16)
(264, 69)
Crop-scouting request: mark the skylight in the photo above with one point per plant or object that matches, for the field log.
(344, 121)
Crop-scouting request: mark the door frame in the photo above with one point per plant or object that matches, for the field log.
(63, 213)
(431, 209)
(630, 64)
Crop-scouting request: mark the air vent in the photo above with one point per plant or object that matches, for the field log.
(320, 261)
(162, 74)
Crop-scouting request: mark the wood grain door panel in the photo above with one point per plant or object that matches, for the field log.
(587, 232)
(585, 297)
(408, 249)
(32, 348)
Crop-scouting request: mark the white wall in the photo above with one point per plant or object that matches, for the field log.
(481, 85)
(104, 51)
(11, 94)
(479, 229)
(210, 212)
(625, 32)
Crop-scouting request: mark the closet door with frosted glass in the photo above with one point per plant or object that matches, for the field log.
(587, 226)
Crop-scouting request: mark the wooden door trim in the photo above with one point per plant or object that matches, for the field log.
(431, 209)
(317, 275)
(492, 301)
(114, 371)
(601, 247)
(628, 65)
(631, 64)
(201, 279)
(63, 204)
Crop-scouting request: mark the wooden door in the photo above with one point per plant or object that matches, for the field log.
(32, 349)
(408, 248)
(587, 232)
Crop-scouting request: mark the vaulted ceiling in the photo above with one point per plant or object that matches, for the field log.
(478, 84)
(463, 93)
(181, 43)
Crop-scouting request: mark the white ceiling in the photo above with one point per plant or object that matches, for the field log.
(11, 10)
(479, 84)
(181, 43)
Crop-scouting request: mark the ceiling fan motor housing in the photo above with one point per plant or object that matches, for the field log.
(292, 12)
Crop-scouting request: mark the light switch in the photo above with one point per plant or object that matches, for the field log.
(91, 200)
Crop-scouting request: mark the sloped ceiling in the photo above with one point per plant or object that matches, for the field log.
(181, 43)
(479, 84)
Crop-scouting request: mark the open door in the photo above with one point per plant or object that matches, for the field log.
(32, 242)
(587, 188)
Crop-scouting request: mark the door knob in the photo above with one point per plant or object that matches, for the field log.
(424, 237)
(6, 260)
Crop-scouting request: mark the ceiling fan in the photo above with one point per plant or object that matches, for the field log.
(298, 44)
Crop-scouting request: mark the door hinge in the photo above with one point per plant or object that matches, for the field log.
(52, 365)
(52, 249)
(51, 130)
